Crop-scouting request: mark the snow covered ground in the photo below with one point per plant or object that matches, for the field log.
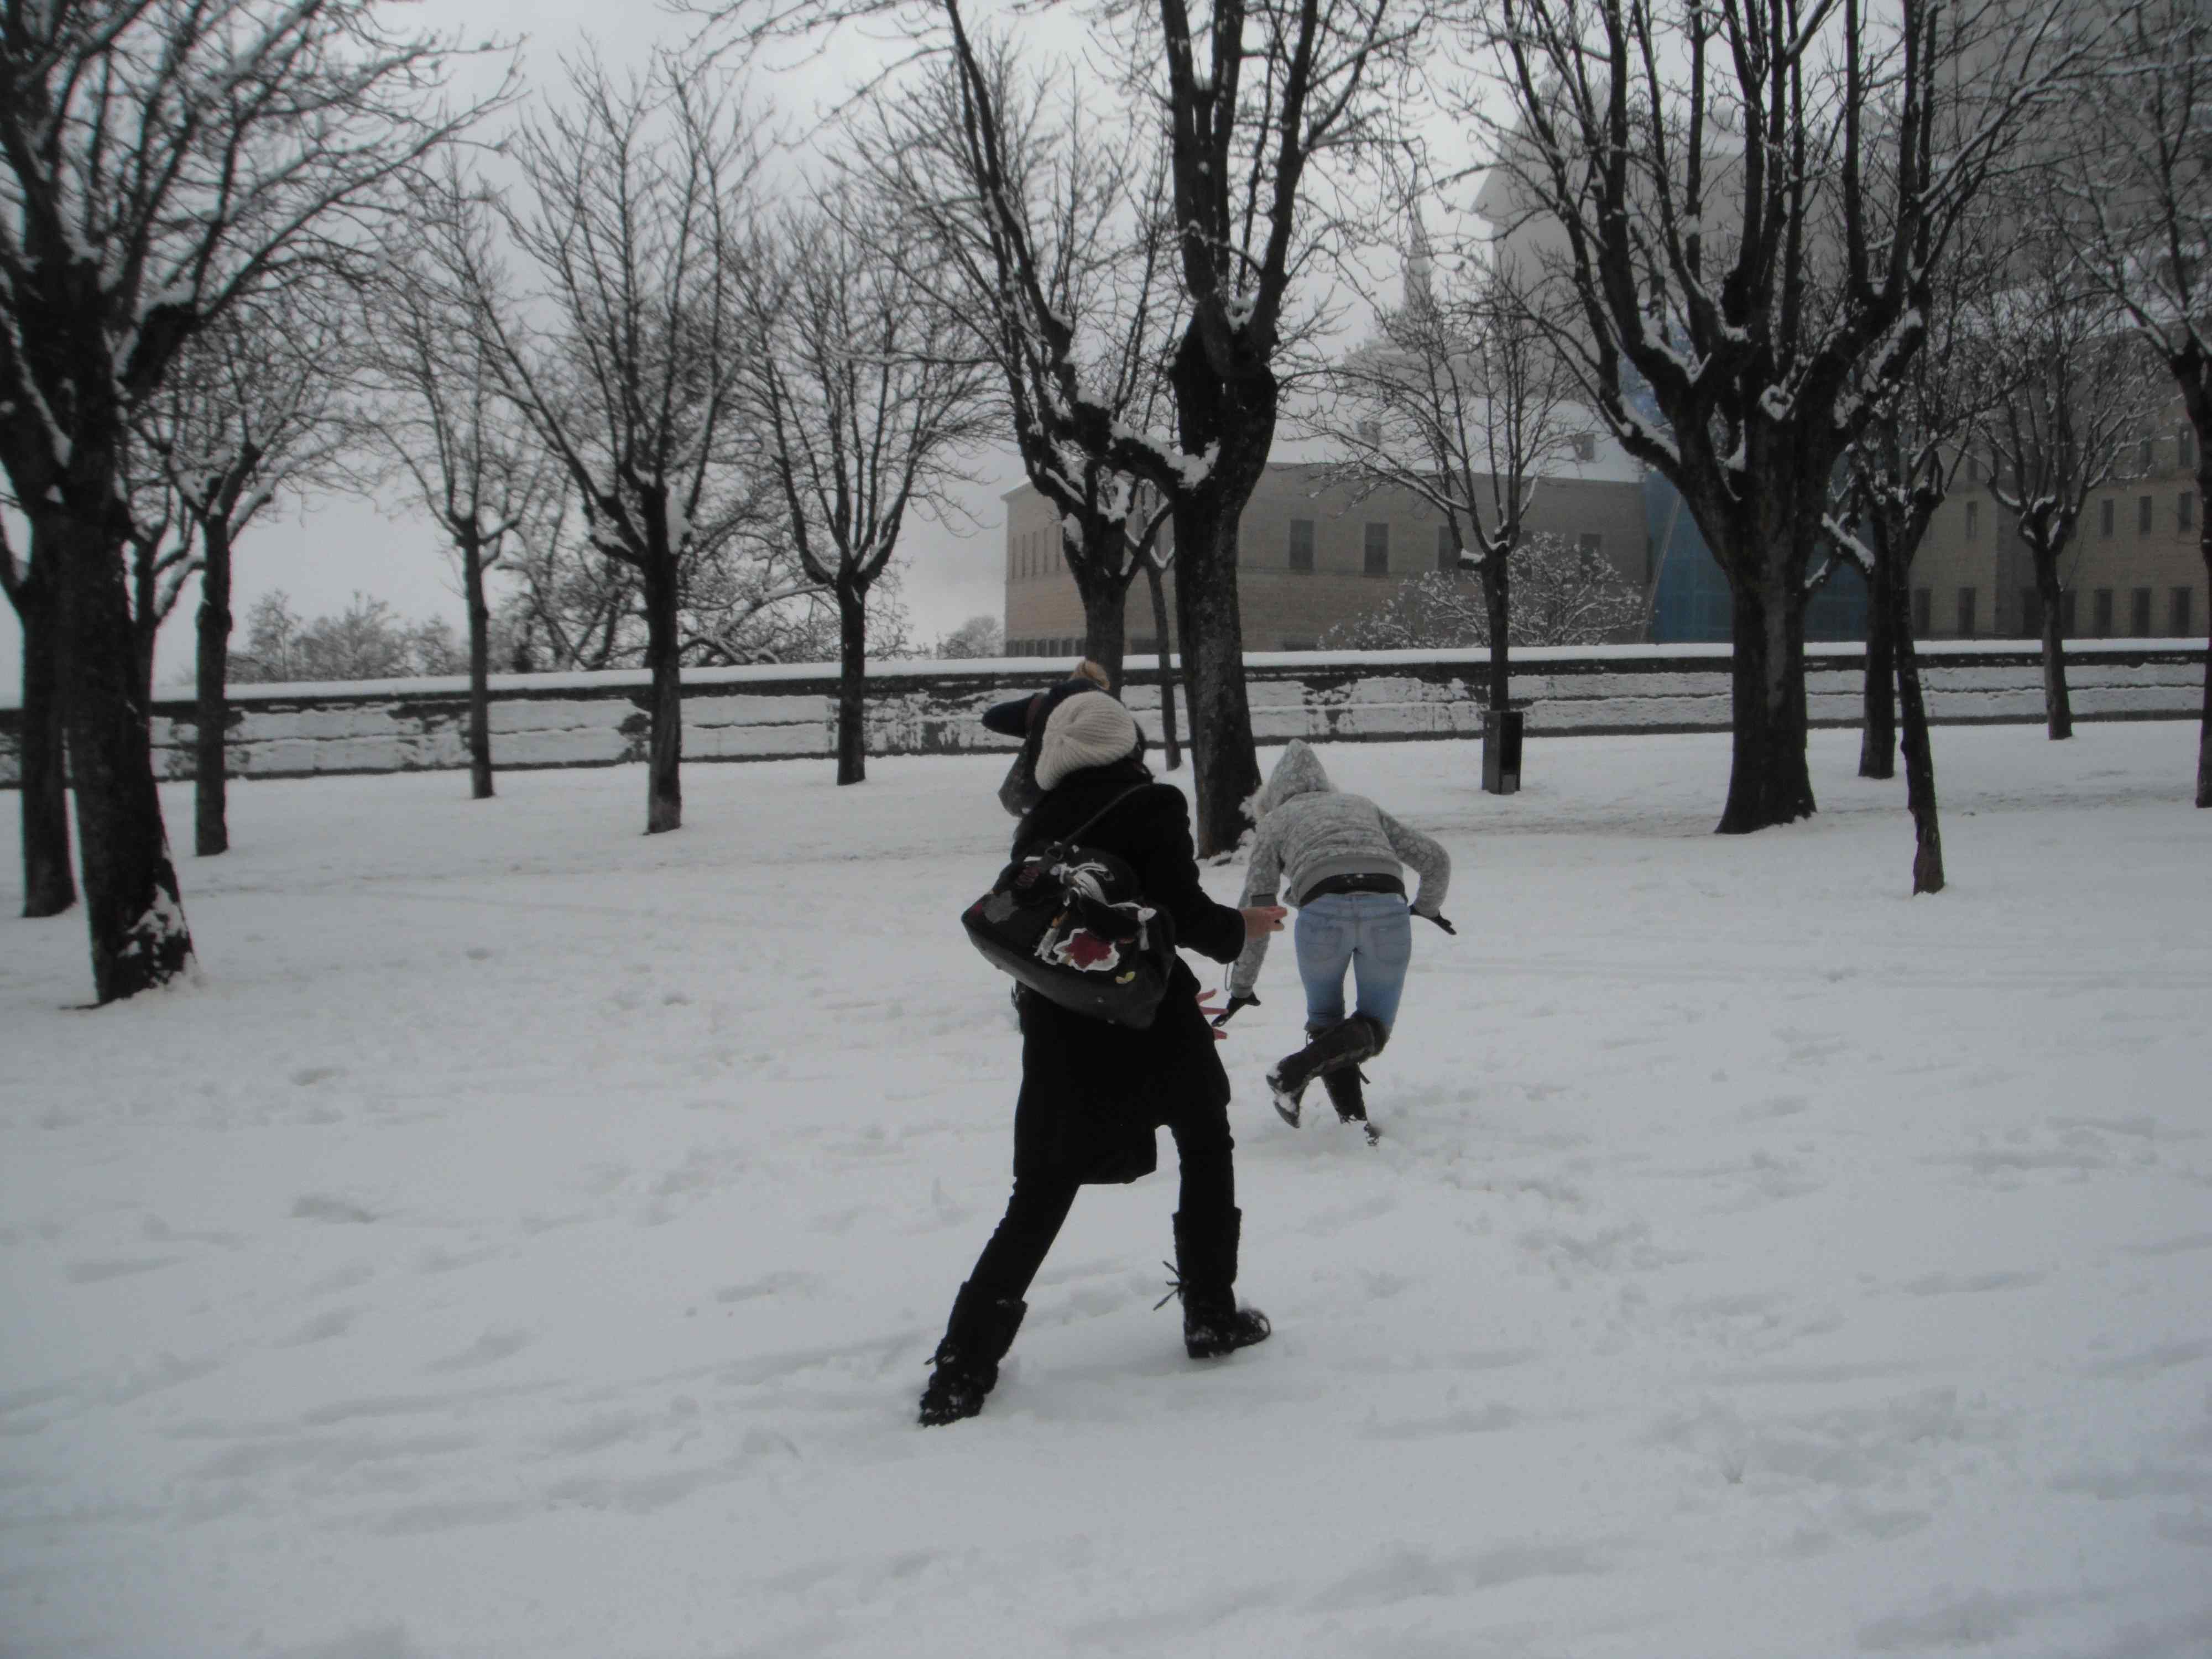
(528, 1241)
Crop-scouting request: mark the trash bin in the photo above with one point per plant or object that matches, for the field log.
(1501, 751)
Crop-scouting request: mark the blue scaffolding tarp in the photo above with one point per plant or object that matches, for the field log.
(1691, 606)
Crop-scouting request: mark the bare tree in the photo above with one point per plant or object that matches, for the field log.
(255, 406)
(1747, 204)
(1461, 401)
(158, 160)
(159, 547)
(572, 607)
(364, 641)
(1040, 235)
(1900, 472)
(2079, 397)
(1568, 594)
(1258, 100)
(979, 636)
(865, 396)
(1156, 554)
(466, 456)
(621, 354)
(49, 877)
(2139, 200)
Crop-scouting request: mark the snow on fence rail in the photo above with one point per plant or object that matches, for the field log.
(931, 707)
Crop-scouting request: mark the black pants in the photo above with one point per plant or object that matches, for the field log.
(1040, 1204)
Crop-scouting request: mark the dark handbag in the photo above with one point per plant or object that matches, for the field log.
(1068, 921)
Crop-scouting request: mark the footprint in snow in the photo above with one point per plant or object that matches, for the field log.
(487, 1349)
(322, 1206)
(92, 1272)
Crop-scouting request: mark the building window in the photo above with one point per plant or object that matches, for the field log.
(2105, 516)
(1973, 522)
(1447, 550)
(1585, 445)
(2139, 613)
(2184, 507)
(2178, 614)
(1297, 645)
(2149, 454)
(1302, 544)
(2068, 614)
(2031, 613)
(1377, 550)
(2102, 612)
(1973, 467)
(1370, 434)
(1591, 541)
(1965, 613)
(1924, 612)
(2185, 448)
(2142, 515)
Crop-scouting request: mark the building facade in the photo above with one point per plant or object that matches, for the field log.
(1312, 553)
(2134, 570)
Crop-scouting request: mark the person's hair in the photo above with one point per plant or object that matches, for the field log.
(1088, 670)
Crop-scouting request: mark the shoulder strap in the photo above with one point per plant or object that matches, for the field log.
(1078, 833)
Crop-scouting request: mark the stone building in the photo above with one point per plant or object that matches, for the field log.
(1312, 553)
(2134, 570)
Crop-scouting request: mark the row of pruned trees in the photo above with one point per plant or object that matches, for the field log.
(1748, 213)
(166, 167)
(242, 253)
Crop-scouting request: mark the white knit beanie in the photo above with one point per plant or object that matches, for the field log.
(1088, 729)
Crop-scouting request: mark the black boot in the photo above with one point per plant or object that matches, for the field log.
(976, 1339)
(1345, 1043)
(1206, 1278)
(1345, 1094)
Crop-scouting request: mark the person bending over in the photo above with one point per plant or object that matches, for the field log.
(1341, 859)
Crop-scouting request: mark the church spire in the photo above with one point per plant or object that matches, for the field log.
(1420, 261)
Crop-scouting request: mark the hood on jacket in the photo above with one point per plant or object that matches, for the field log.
(1299, 773)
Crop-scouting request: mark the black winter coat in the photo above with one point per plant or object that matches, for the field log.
(1094, 1095)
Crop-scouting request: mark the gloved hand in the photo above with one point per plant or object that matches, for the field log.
(1240, 999)
(1446, 925)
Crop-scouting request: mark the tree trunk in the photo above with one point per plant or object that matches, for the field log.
(1226, 410)
(1165, 634)
(1878, 738)
(664, 780)
(1105, 629)
(472, 584)
(852, 685)
(1919, 757)
(1225, 768)
(2204, 727)
(49, 882)
(1769, 783)
(1498, 608)
(211, 711)
(145, 626)
(133, 910)
(2057, 706)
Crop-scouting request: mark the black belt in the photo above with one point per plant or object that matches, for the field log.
(1353, 884)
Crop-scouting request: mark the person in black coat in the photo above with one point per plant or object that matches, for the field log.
(1094, 1095)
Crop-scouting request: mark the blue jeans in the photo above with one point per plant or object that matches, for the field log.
(1371, 933)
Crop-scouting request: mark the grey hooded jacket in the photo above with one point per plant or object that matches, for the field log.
(1309, 831)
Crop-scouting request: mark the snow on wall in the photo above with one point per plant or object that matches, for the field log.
(773, 714)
